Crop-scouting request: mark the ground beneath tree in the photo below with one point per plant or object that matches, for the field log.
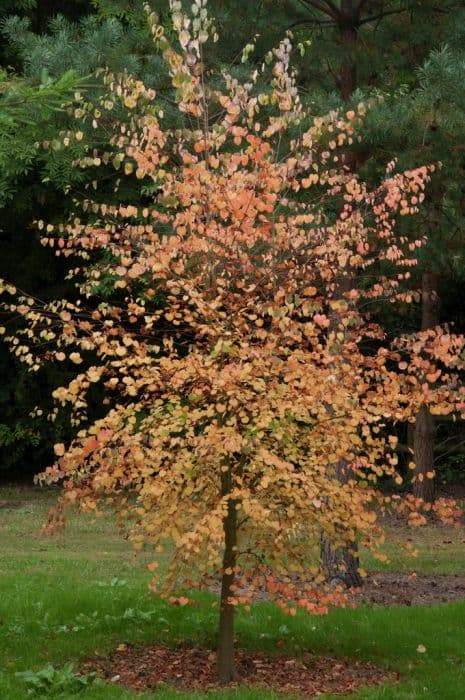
(398, 588)
(194, 669)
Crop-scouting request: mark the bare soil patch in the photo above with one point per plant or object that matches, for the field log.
(398, 588)
(194, 669)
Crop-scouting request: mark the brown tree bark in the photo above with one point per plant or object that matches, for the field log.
(226, 662)
(340, 564)
(348, 32)
(430, 302)
(425, 425)
(423, 448)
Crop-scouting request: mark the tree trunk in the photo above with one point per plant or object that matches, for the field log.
(340, 564)
(348, 32)
(425, 425)
(423, 447)
(226, 663)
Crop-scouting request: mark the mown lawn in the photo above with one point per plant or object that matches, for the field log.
(66, 598)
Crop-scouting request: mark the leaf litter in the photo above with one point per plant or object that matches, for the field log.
(194, 669)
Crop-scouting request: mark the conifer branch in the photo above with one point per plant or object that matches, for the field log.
(314, 23)
(325, 6)
(360, 5)
(381, 15)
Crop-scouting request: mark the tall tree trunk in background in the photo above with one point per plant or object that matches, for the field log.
(341, 564)
(226, 663)
(425, 425)
(348, 32)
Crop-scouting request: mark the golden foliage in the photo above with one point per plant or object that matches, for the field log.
(241, 346)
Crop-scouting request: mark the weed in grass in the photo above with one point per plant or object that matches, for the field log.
(51, 681)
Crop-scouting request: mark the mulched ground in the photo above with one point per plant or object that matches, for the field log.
(397, 588)
(194, 669)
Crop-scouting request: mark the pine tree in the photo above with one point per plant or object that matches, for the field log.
(383, 51)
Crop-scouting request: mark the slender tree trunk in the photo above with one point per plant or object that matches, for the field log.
(226, 663)
(425, 425)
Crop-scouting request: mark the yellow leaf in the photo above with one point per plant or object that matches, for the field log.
(59, 449)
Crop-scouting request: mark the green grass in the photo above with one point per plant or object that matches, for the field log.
(65, 598)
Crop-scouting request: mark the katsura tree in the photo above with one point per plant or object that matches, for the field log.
(238, 365)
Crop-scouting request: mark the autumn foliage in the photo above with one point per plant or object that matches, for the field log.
(235, 346)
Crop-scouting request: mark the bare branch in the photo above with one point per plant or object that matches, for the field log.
(452, 449)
